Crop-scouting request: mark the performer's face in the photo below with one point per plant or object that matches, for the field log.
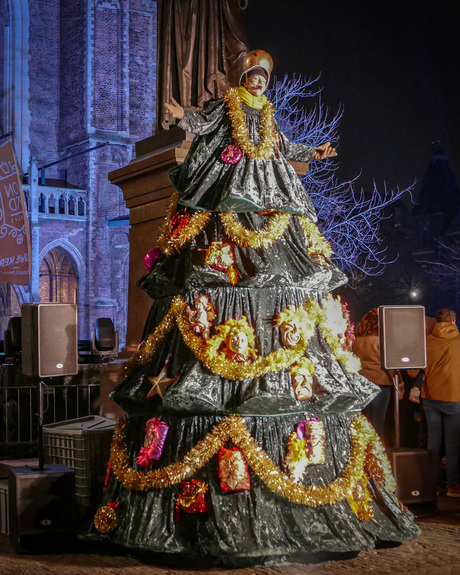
(256, 84)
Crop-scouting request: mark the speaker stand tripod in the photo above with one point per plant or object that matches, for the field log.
(41, 501)
(397, 445)
(40, 420)
(413, 469)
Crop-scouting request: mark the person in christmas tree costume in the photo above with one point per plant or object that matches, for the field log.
(245, 441)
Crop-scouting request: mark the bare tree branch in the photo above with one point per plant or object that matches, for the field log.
(350, 219)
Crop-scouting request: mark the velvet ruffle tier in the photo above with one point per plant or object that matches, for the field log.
(343, 504)
(258, 525)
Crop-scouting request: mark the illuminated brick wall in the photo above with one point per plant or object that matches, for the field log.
(92, 79)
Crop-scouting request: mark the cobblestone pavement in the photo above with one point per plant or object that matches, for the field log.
(435, 552)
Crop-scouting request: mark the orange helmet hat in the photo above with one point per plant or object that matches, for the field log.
(257, 59)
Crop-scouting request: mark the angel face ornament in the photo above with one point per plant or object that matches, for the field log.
(291, 323)
(302, 379)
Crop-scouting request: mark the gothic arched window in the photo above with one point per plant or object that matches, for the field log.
(41, 204)
(62, 204)
(71, 206)
(81, 207)
(58, 277)
(51, 205)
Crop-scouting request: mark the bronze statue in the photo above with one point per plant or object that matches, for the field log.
(201, 48)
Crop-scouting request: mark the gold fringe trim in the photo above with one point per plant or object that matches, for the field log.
(169, 243)
(215, 360)
(155, 339)
(247, 238)
(209, 356)
(363, 438)
(237, 233)
(266, 148)
(317, 243)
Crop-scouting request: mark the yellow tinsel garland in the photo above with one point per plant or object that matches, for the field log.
(326, 320)
(169, 243)
(237, 233)
(317, 243)
(221, 365)
(155, 339)
(266, 148)
(363, 439)
(246, 238)
(216, 360)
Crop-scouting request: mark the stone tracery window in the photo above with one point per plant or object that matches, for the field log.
(51, 204)
(71, 206)
(41, 203)
(81, 207)
(58, 277)
(62, 204)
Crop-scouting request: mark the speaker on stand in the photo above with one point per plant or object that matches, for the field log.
(403, 346)
(49, 339)
(42, 498)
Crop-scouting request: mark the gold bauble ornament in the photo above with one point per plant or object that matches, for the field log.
(105, 519)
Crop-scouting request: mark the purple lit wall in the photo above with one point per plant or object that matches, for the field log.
(87, 76)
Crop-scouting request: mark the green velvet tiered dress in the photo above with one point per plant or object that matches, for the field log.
(323, 486)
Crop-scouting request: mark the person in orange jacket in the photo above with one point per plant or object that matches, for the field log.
(441, 395)
(366, 346)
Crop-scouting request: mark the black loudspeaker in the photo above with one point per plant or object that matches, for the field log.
(49, 339)
(415, 474)
(41, 508)
(402, 336)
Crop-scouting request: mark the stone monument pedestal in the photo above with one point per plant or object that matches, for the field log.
(147, 193)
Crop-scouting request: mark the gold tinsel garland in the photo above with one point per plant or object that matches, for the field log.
(155, 339)
(326, 319)
(317, 243)
(220, 364)
(237, 233)
(169, 242)
(216, 360)
(266, 148)
(377, 463)
(233, 428)
(247, 238)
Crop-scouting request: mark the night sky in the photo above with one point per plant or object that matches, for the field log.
(394, 65)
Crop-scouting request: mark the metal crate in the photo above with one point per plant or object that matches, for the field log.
(4, 527)
(83, 445)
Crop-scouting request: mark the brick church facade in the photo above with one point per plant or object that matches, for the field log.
(78, 85)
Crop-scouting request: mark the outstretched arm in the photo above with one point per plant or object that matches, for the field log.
(199, 123)
(302, 153)
(324, 151)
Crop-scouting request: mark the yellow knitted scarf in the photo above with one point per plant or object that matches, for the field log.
(249, 99)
